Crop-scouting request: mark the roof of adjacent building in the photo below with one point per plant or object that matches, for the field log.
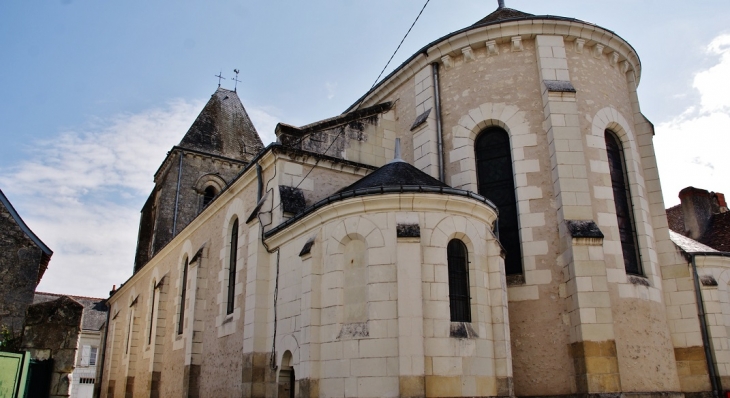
(717, 235)
(47, 252)
(94, 308)
(689, 245)
(224, 128)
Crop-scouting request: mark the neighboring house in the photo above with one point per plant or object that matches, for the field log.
(702, 216)
(87, 353)
(486, 221)
(23, 261)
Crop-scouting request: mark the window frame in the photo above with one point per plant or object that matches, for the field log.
(183, 296)
(232, 268)
(629, 205)
(459, 288)
(514, 264)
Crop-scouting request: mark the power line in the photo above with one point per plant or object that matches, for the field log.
(401, 42)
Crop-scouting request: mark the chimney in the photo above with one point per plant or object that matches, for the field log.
(697, 211)
(719, 201)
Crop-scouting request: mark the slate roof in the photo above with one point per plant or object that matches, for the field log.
(223, 128)
(95, 309)
(47, 252)
(396, 173)
(675, 219)
(503, 14)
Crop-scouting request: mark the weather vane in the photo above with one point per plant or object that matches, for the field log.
(235, 85)
(219, 76)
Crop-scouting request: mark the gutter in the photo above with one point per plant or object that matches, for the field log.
(439, 131)
(100, 373)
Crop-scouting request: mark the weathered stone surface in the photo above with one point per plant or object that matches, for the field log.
(21, 263)
(51, 331)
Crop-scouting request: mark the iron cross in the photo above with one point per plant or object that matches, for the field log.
(219, 77)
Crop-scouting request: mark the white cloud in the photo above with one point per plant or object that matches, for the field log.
(692, 149)
(330, 87)
(82, 192)
(265, 123)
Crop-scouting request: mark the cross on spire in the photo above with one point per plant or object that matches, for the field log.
(235, 85)
(219, 76)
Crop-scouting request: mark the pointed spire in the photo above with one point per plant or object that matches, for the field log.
(223, 128)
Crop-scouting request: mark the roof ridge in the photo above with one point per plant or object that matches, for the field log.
(70, 295)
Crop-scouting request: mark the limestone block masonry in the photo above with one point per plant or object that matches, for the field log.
(351, 279)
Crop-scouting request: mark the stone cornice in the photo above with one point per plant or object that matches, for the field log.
(450, 46)
(390, 202)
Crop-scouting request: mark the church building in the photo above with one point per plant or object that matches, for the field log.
(486, 221)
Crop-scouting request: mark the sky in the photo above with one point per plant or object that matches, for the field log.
(94, 93)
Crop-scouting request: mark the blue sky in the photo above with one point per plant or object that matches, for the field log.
(95, 92)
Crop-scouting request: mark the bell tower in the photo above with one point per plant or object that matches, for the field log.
(218, 145)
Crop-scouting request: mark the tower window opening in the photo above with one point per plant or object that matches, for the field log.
(208, 195)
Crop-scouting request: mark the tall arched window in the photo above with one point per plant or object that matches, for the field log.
(459, 298)
(622, 199)
(183, 293)
(496, 183)
(232, 267)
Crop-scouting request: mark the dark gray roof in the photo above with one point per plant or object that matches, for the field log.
(396, 173)
(94, 308)
(396, 177)
(223, 128)
(503, 14)
(4, 200)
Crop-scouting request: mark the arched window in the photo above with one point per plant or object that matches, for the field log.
(622, 199)
(152, 312)
(183, 293)
(232, 267)
(459, 298)
(496, 183)
(208, 195)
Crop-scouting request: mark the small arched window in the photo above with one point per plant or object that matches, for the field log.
(496, 183)
(622, 199)
(232, 267)
(183, 293)
(459, 298)
(208, 195)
